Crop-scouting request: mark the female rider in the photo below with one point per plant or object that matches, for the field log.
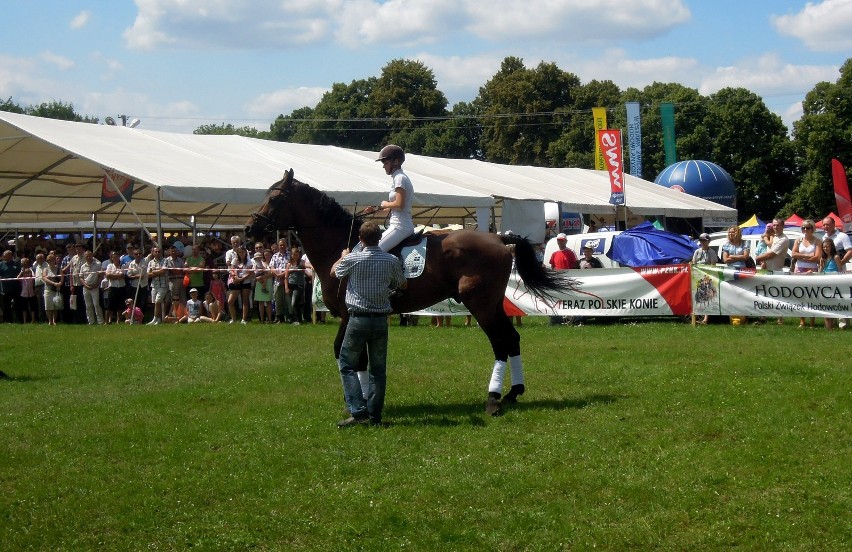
(399, 200)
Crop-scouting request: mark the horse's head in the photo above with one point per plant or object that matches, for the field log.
(274, 214)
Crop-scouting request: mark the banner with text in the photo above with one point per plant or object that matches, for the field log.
(634, 138)
(599, 118)
(729, 292)
(610, 144)
(643, 291)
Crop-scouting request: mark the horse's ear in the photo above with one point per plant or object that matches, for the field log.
(288, 176)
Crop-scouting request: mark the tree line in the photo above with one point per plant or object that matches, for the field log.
(541, 116)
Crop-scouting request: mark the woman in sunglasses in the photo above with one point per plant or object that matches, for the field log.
(807, 255)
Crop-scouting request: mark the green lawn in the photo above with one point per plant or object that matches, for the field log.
(630, 436)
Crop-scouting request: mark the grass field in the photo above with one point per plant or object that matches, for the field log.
(655, 435)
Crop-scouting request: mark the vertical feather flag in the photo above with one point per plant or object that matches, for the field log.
(112, 184)
(634, 138)
(610, 144)
(841, 194)
(669, 143)
(599, 117)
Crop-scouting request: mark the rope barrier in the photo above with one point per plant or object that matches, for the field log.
(181, 269)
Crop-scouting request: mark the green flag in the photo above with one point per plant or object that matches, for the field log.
(667, 117)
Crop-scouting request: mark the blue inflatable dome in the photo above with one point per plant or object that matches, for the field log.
(702, 179)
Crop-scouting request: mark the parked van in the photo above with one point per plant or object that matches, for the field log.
(600, 242)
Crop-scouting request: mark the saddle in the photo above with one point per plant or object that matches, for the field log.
(412, 252)
(413, 239)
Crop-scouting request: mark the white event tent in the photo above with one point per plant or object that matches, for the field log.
(53, 171)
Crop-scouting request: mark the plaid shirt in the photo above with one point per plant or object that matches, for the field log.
(159, 282)
(278, 263)
(372, 274)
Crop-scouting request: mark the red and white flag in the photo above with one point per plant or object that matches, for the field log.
(841, 194)
(610, 144)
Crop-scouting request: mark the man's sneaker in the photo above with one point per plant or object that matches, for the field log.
(243, 322)
(353, 421)
(295, 323)
(156, 321)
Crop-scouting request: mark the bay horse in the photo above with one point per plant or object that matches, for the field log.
(471, 267)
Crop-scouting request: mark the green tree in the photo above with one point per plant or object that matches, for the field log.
(751, 143)
(518, 109)
(285, 127)
(824, 132)
(342, 118)
(575, 147)
(11, 107)
(456, 137)
(58, 110)
(229, 129)
(406, 95)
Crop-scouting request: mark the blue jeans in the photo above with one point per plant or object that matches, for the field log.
(370, 333)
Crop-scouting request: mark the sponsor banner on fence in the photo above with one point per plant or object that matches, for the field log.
(729, 292)
(644, 291)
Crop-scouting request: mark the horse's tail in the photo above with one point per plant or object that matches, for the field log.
(539, 280)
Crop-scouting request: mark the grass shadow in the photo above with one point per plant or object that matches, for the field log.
(473, 414)
(12, 378)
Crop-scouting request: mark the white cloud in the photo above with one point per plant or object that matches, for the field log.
(17, 78)
(401, 22)
(228, 24)
(791, 114)
(574, 20)
(176, 116)
(617, 66)
(768, 75)
(61, 62)
(270, 105)
(244, 24)
(822, 26)
(112, 65)
(460, 77)
(80, 20)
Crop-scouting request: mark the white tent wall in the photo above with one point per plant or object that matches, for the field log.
(52, 171)
(524, 218)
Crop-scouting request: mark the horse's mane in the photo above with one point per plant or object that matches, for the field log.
(331, 213)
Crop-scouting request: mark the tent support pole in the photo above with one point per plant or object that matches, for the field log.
(159, 222)
(129, 206)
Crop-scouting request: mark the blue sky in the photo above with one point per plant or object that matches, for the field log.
(178, 64)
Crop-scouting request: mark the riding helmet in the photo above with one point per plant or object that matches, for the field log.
(391, 151)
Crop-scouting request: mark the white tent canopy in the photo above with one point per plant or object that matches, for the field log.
(53, 171)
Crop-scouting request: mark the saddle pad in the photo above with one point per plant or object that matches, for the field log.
(414, 259)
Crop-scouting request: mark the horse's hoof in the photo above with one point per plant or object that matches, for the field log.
(493, 406)
(513, 394)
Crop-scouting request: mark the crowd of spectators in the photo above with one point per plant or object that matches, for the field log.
(808, 254)
(43, 280)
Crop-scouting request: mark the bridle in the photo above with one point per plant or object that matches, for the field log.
(269, 225)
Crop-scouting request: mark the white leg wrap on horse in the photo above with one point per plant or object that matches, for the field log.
(517, 367)
(364, 379)
(496, 385)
